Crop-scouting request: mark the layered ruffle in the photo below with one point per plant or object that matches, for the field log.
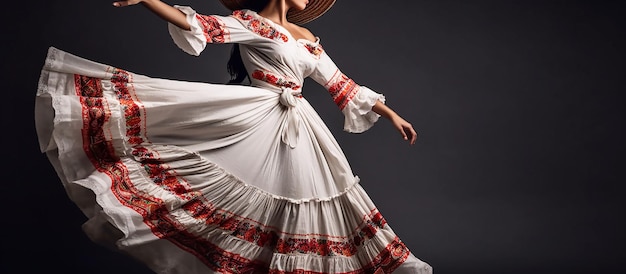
(358, 113)
(191, 41)
(177, 211)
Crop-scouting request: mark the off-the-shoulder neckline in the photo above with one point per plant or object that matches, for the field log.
(274, 24)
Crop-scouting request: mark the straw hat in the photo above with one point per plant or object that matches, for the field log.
(313, 10)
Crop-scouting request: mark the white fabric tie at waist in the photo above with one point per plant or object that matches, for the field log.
(289, 127)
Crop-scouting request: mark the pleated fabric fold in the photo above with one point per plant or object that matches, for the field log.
(176, 208)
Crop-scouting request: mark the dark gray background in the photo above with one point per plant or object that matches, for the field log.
(519, 105)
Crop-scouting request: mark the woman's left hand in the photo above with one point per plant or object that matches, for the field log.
(405, 129)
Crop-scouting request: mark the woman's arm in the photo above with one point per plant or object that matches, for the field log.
(163, 10)
(405, 128)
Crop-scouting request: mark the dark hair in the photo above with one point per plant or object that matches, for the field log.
(235, 66)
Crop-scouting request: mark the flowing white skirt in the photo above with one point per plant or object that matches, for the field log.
(196, 177)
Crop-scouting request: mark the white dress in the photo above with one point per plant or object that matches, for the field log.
(214, 178)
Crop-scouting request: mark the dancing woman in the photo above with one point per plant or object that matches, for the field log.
(193, 177)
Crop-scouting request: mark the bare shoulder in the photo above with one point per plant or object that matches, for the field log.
(308, 33)
(303, 33)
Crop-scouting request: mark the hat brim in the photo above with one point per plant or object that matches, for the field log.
(313, 10)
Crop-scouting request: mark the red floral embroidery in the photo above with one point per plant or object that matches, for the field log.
(102, 155)
(156, 215)
(258, 26)
(342, 89)
(316, 50)
(214, 29)
(262, 235)
(272, 79)
(387, 261)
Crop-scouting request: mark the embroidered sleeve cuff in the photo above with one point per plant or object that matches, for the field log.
(358, 113)
(190, 41)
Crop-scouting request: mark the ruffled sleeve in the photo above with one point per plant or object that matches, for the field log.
(358, 112)
(208, 29)
(355, 101)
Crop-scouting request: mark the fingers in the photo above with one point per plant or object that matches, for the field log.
(124, 3)
(409, 135)
(413, 136)
(407, 130)
(403, 133)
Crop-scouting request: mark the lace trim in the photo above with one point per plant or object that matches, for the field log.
(42, 86)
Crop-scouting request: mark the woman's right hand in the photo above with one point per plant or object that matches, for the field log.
(163, 10)
(126, 3)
